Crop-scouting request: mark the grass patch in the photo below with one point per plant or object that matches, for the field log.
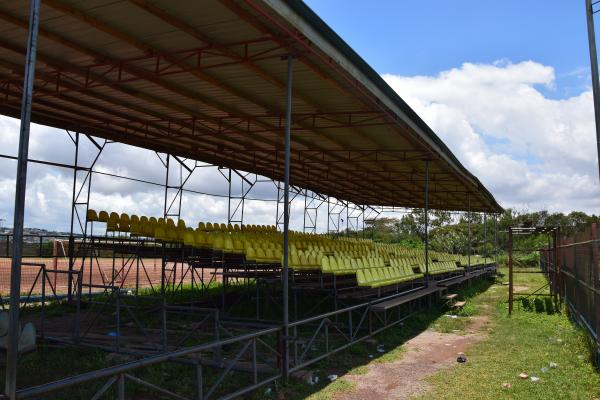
(338, 386)
(526, 342)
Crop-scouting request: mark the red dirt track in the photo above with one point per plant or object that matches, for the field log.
(125, 276)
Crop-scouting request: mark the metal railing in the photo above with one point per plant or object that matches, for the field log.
(116, 377)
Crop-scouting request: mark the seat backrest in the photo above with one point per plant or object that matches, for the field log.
(325, 266)
(294, 261)
(189, 238)
(91, 215)
(360, 277)
(159, 233)
(103, 216)
(228, 244)
(260, 254)
(270, 254)
(250, 253)
(304, 260)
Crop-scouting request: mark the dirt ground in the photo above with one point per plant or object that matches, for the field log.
(425, 354)
(147, 273)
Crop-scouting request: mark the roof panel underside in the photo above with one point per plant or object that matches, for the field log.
(207, 80)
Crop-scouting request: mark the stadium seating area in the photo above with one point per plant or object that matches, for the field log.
(373, 264)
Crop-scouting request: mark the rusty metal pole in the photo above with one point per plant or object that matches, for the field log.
(12, 353)
(594, 70)
(510, 271)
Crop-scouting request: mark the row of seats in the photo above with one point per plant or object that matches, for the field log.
(344, 266)
(143, 226)
(305, 261)
(373, 264)
(444, 267)
(378, 277)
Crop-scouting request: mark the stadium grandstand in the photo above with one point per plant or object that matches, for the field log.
(260, 87)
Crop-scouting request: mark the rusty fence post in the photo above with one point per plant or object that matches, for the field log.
(596, 286)
(510, 271)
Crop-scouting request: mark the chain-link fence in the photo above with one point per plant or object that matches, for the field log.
(577, 272)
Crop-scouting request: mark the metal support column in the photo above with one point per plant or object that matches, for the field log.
(427, 219)
(594, 69)
(485, 248)
(165, 207)
(71, 248)
(469, 226)
(10, 386)
(496, 240)
(286, 219)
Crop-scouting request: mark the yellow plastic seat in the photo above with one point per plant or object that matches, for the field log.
(325, 265)
(124, 223)
(160, 233)
(228, 244)
(112, 225)
(150, 227)
(189, 238)
(91, 215)
(260, 255)
(135, 228)
(103, 216)
(179, 232)
(181, 224)
(218, 242)
(171, 234)
(200, 238)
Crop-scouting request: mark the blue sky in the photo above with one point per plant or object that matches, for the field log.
(415, 37)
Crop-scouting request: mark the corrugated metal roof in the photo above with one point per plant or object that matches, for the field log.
(206, 80)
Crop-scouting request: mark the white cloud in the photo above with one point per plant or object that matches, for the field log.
(529, 150)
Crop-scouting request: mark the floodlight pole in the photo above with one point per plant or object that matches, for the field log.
(10, 387)
(286, 218)
(427, 219)
(594, 66)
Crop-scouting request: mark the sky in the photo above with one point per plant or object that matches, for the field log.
(505, 84)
